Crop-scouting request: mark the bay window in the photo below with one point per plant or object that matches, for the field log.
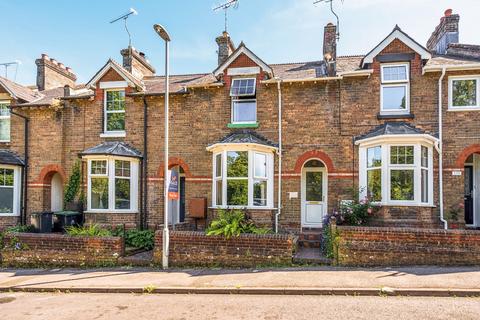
(397, 173)
(394, 89)
(112, 184)
(463, 93)
(243, 178)
(4, 121)
(244, 103)
(9, 190)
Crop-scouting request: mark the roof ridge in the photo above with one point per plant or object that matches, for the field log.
(177, 75)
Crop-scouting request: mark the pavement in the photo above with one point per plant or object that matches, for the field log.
(411, 281)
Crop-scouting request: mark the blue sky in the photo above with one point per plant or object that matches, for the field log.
(78, 33)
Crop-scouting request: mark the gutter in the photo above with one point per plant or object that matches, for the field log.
(279, 196)
(440, 149)
(451, 67)
(23, 217)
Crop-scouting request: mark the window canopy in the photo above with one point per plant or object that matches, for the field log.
(394, 130)
(8, 157)
(246, 138)
(120, 149)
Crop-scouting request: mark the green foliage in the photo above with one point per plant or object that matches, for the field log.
(21, 228)
(93, 230)
(330, 242)
(355, 213)
(140, 239)
(73, 185)
(233, 223)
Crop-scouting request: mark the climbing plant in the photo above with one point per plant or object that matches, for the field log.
(73, 185)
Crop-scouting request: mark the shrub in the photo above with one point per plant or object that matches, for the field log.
(93, 230)
(73, 185)
(233, 223)
(140, 239)
(355, 213)
(21, 228)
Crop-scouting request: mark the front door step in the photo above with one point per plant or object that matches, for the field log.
(310, 238)
(140, 259)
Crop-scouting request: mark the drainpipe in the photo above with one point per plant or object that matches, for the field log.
(279, 196)
(145, 164)
(23, 218)
(440, 149)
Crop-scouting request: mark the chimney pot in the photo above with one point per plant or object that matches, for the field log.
(448, 12)
(45, 56)
(445, 33)
(53, 74)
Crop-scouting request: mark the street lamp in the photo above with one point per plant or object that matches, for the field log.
(162, 32)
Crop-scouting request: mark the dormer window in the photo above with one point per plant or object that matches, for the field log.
(244, 102)
(114, 111)
(395, 89)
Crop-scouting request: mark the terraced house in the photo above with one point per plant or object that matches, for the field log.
(288, 142)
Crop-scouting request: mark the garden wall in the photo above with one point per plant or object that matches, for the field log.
(196, 248)
(37, 249)
(372, 246)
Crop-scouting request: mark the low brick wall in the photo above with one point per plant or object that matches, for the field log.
(190, 248)
(38, 249)
(374, 246)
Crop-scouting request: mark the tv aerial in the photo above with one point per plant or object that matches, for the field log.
(124, 17)
(331, 9)
(6, 65)
(225, 6)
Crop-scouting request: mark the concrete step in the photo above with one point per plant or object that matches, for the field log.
(139, 259)
(310, 256)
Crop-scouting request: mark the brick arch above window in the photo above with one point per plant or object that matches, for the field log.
(314, 154)
(172, 162)
(474, 148)
(47, 172)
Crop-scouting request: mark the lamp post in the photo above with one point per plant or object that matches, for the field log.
(162, 32)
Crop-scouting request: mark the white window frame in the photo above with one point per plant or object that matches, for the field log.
(367, 168)
(387, 167)
(17, 181)
(113, 133)
(134, 183)
(251, 178)
(6, 102)
(235, 98)
(395, 83)
(451, 107)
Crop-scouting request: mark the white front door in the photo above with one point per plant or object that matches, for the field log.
(56, 193)
(314, 196)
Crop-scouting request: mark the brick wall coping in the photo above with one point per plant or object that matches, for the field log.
(407, 230)
(199, 234)
(54, 236)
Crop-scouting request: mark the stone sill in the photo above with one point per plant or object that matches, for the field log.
(395, 116)
(242, 125)
(113, 135)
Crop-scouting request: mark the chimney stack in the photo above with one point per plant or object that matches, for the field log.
(330, 47)
(225, 47)
(136, 63)
(445, 33)
(52, 74)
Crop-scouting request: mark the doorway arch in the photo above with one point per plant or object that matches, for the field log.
(314, 193)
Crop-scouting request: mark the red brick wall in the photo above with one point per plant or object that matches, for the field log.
(32, 249)
(370, 246)
(195, 248)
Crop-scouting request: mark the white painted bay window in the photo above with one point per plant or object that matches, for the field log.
(394, 89)
(112, 184)
(10, 180)
(244, 102)
(4, 121)
(463, 93)
(243, 178)
(397, 173)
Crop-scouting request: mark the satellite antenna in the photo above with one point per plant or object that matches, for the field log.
(125, 17)
(225, 6)
(15, 63)
(336, 16)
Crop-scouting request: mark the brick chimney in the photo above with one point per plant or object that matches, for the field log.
(445, 33)
(225, 47)
(52, 74)
(136, 63)
(330, 47)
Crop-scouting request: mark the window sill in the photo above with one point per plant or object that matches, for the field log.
(111, 211)
(13, 215)
(463, 109)
(242, 125)
(122, 134)
(382, 116)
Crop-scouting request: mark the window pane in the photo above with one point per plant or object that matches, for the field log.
(401, 185)
(6, 200)
(219, 193)
(6, 177)
(314, 186)
(122, 193)
(243, 87)
(401, 155)
(99, 167)
(464, 93)
(237, 192)
(374, 157)
(237, 164)
(260, 165)
(397, 73)
(5, 129)
(99, 193)
(424, 185)
(115, 100)
(374, 185)
(244, 111)
(424, 157)
(116, 121)
(122, 168)
(260, 193)
(394, 98)
(4, 109)
(218, 165)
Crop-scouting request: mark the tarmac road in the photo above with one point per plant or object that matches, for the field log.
(58, 306)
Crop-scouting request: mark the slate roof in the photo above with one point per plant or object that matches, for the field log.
(391, 128)
(113, 148)
(8, 157)
(246, 136)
